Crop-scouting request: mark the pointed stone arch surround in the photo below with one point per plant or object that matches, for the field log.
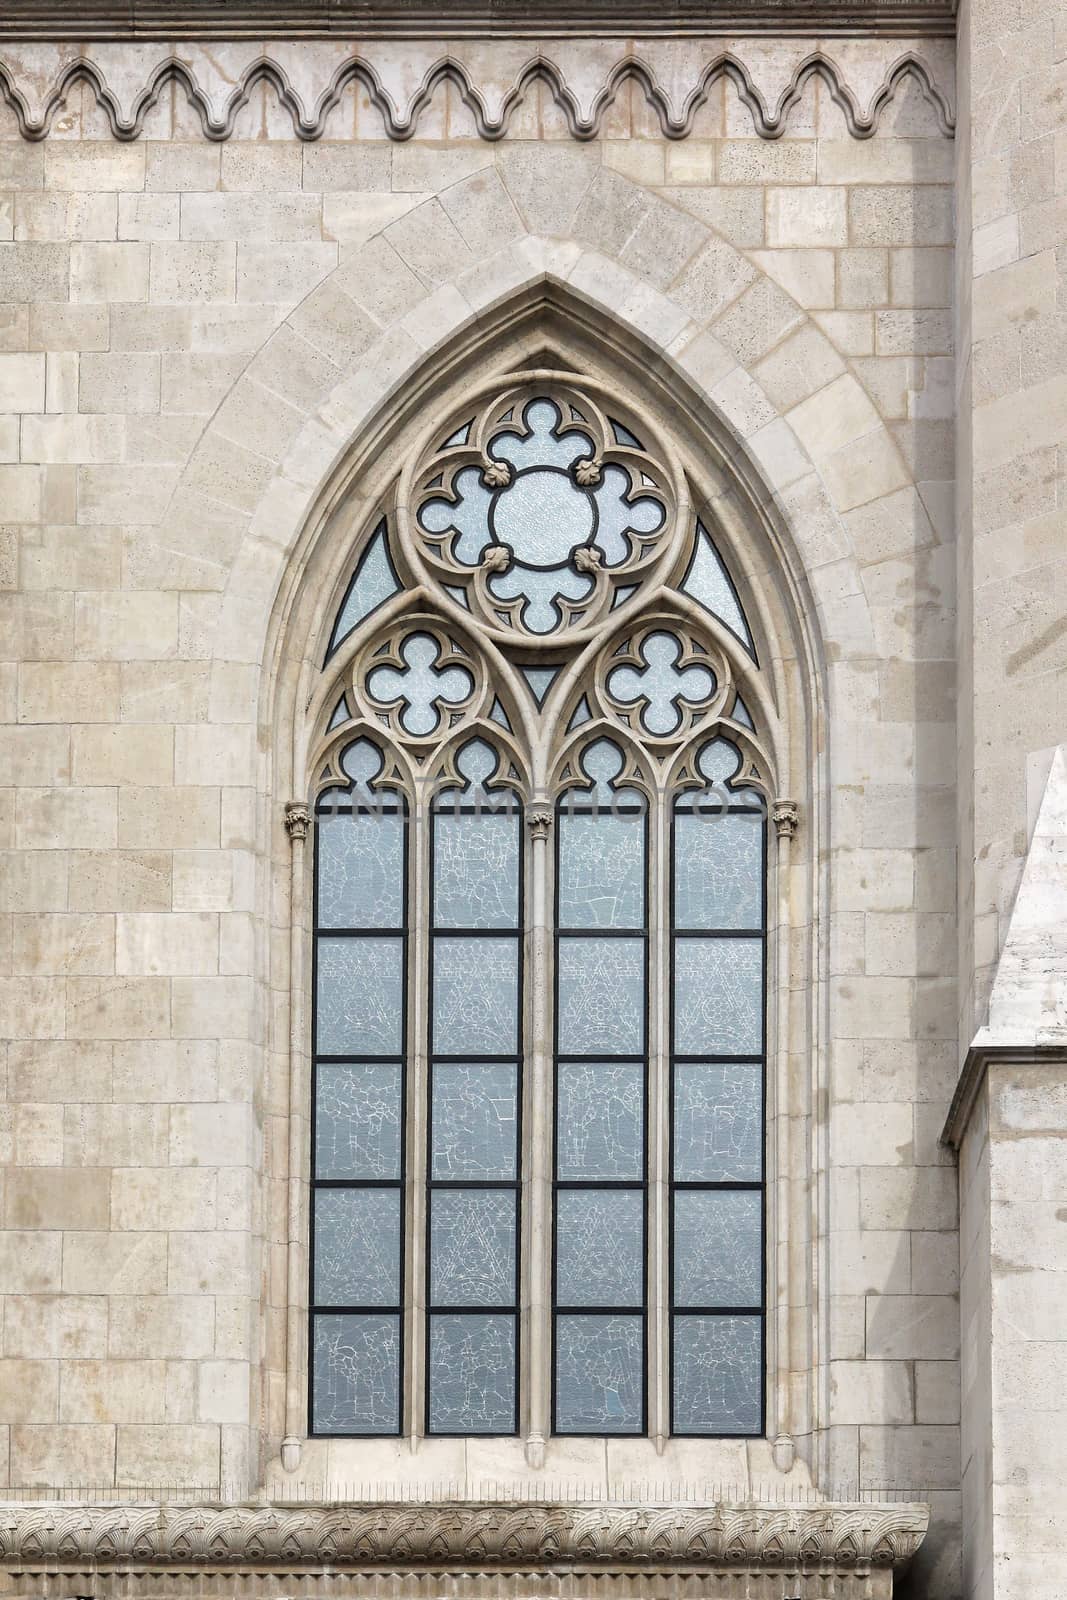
(792, 422)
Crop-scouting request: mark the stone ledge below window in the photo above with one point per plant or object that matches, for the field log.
(786, 1551)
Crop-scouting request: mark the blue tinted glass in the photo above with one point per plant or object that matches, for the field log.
(357, 1247)
(355, 1384)
(601, 871)
(476, 871)
(600, 1247)
(599, 1374)
(718, 870)
(373, 584)
(601, 996)
(357, 1121)
(475, 1119)
(600, 1119)
(717, 1371)
(472, 1247)
(717, 1247)
(708, 583)
(718, 1122)
(718, 996)
(359, 997)
(361, 870)
(472, 1374)
(475, 996)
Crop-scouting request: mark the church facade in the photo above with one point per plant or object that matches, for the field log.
(533, 824)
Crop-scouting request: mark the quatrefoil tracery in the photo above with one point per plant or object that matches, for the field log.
(663, 680)
(419, 681)
(535, 511)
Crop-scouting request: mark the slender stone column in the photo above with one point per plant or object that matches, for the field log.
(785, 816)
(297, 824)
(539, 1064)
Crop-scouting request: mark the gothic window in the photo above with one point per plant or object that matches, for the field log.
(537, 1198)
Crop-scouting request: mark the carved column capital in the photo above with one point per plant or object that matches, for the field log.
(297, 820)
(785, 814)
(539, 821)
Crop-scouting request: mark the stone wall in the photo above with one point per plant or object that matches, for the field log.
(194, 331)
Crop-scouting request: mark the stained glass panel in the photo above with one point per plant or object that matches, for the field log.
(600, 1116)
(472, 1247)
(374, 583)
(599, 1374)
(601, 996)
(600, 1247)
(475, 996)
(476, 871)
(709, 583)
(359, 996)
(361, 870)
(355, 1386)
(601, 871)
(357, 1247)
(717, 1372)
(718, 1122)
(357, 1121)
(717, 1247)
(474, 1121)
(718, 996)
(718, 870)
(472, 1374)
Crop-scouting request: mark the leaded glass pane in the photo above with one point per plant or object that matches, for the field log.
(718, 870)
(709, 583)
(374, 583)
(474, 1121)
(475, 996)
(359, 996)
(718, 996)
(472, 1374)
(601, 871)
(599, 1374)
(361, 870)
(717, 1372)
(717, 1247)
(355, 1386)
(601, 996)
(718, 1122)
(357, 1247)
(476, 871)
(472, 1247)
(600, 1118)
(357, 1121)
(600, 1247)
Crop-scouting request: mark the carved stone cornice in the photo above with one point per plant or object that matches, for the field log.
(583, 90)
(468, 1536)
(507, 19)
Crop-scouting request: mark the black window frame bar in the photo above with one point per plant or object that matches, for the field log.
(378, 805)
(688, 801)
(573, 803)
(444, 803)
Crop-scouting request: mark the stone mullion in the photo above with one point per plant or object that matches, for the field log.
(658, 879)
(538, 1058)
(416, 1088)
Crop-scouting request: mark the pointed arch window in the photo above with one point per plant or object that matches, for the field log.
(538, 1176)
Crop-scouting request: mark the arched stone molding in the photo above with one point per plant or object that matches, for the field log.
(671, 303)
(305, 85)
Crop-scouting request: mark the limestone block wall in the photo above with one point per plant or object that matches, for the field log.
(193, 330)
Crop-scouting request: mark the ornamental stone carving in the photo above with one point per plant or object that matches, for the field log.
(468, 1536)
(493, 105)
